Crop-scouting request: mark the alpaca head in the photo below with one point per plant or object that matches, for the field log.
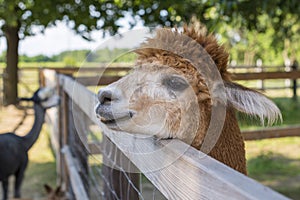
(168, 97)
(45, 97)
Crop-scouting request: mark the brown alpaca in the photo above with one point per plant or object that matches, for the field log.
(55, 194)
(174, 92)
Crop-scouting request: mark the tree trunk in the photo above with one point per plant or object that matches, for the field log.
(10, 83)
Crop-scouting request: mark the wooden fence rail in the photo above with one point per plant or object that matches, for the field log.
(275, 132)
(76, 182)
(193, 175)
(112, 73)
(101, 79)
(266, 75)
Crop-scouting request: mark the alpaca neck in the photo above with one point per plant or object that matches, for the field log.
(33, 134)
(229, 147)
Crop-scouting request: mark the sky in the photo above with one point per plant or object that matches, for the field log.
(61, 38)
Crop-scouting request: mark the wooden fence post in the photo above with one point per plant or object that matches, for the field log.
(118, 184)
(41, 77)
(75, 142)
(259, 68)
(63, 138)
(294, 68)
(60, 130)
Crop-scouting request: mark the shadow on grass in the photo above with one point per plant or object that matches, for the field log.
(36, 175)
(278, 172)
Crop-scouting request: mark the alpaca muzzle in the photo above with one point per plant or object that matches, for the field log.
(109, 116)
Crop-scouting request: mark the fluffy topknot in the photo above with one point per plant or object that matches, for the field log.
(176, 48)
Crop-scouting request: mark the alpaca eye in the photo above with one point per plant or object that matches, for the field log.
(175, 83)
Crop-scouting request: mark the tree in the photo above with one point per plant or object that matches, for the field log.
(278, 20)
(18, 17)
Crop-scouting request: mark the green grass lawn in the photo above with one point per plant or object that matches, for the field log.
(276, 163)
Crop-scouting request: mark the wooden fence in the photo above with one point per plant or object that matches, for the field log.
(193, 175)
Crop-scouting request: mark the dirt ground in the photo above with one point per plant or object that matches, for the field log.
(16, 120)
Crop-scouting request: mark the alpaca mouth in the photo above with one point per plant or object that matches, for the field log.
(114, 121)
(110, 118)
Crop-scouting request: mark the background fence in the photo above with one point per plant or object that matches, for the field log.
(257, 77)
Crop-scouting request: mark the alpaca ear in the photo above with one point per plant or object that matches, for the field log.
(48, 188)
(252, 102)
(58, 191)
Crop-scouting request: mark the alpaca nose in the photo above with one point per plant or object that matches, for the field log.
(109, 95)
(105, 97)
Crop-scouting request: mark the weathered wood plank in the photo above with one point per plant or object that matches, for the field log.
(275, 132)
(96, 80)
(77, 185)
(122, 184)
(105, 80)
(176, 169)
(100, 69)
(84, 98)
(266, 75)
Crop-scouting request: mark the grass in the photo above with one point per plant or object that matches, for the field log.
(41, 168)
(276, 163)
(289, 109)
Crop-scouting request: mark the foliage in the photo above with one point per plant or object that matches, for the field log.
(38, 58)
(77, 55)
(84, 16)
(275, 22)
(266, 30)
(2, 56)
(247, 46)
(69, 61)
(72, 58)
(107, 55)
